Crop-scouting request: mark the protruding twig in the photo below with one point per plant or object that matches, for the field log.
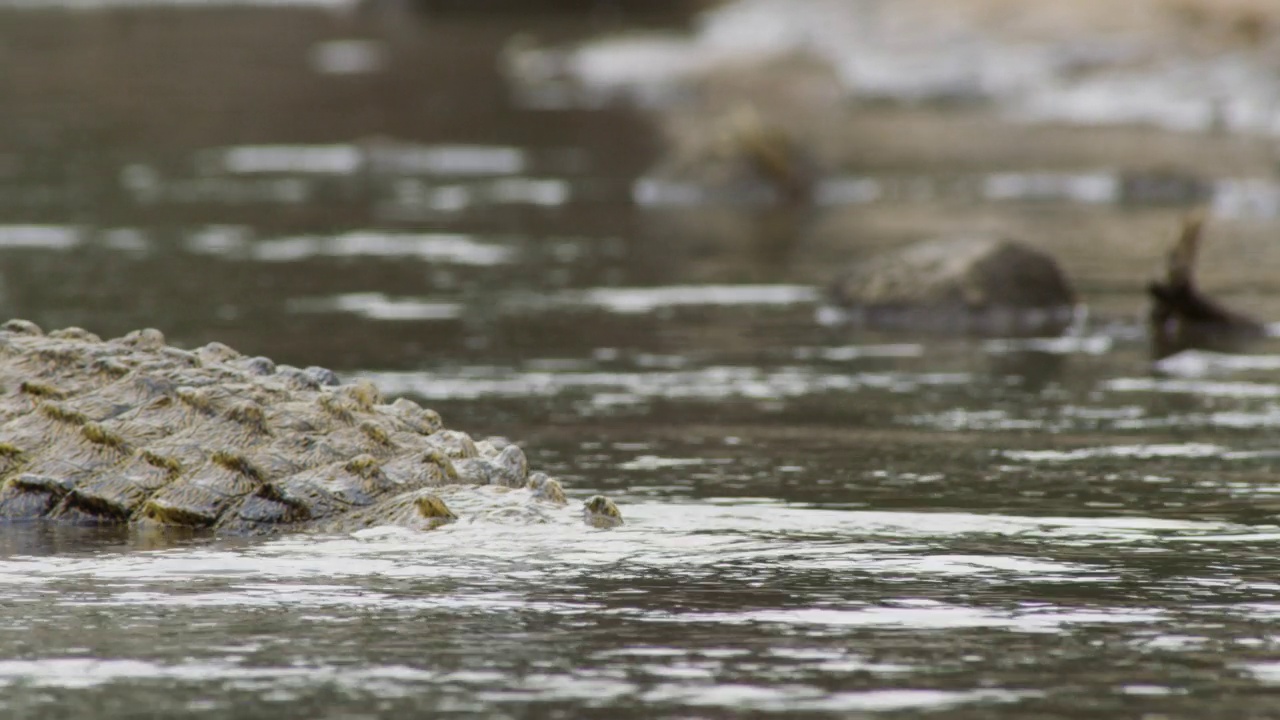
(1182, 257)
(1181, 317)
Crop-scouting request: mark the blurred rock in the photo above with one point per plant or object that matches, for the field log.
(639, 8)
(1164, 187)
(743, 153)
(738, 157)
(981, 285)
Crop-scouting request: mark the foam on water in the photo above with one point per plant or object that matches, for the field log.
(745, 576)
(313, 570)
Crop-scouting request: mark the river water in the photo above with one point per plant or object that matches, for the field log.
(820, 521)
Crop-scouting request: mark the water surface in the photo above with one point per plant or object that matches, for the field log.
(820, 521)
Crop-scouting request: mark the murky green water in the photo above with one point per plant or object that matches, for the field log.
(820, 522)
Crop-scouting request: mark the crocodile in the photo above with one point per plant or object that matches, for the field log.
(135, 431)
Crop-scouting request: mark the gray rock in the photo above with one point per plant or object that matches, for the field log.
(968, 285)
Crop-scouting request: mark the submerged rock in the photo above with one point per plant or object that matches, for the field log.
(978, 285)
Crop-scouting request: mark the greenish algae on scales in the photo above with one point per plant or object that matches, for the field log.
(132, 430)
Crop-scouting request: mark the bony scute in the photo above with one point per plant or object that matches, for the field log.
(213, 439)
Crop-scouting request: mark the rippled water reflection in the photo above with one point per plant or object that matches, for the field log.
(720, 605)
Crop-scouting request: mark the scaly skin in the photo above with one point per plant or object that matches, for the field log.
(134, 431)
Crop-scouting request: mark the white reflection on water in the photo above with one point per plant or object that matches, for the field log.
(962, 419)
(496, 574)
(801, 698)
(237, 243)
(376, 156)
(842, 353)
(1193, 387)
(1142, 451)
(47, 237)
(656, 535)
(349, 57)
(614, 388)
(376, 306)
(457, 249)
(653, 462)
(631, 301)
(643, 300)
(293, 159)
(547, 192)
(935, 615)
(1199, 363)
(400, 680)
(1080, 187)
(79, 673)
(455, 160)
(1066, 345)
